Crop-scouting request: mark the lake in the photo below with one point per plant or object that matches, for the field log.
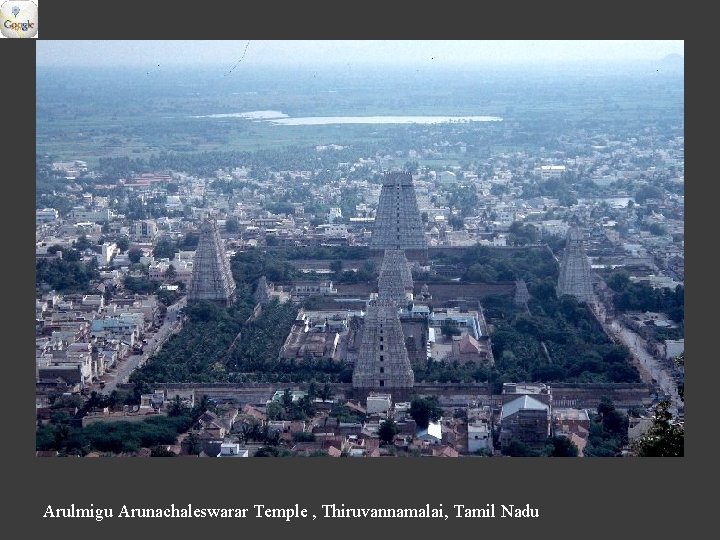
(280, 118)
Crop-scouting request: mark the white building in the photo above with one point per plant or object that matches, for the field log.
(378, 403)
(108, 251)
(232, 450)
(479, 437)
(550, 171)
(335, 214)
(46, 215)
(145, 229)
(431, 434)
(100, 215)
(674, 348)
(334, 230)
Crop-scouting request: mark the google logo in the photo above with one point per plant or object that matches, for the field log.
(25, 26)
(18, 18)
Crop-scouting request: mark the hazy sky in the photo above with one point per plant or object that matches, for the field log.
(317, 53)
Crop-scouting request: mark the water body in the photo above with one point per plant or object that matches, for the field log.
(325, 120)
(280, 118)
(250, 115)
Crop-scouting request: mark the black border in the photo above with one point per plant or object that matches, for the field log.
(588, 497)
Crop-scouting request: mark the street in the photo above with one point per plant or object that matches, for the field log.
(647, 363)
(126, 366)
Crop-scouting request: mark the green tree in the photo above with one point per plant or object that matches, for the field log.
(516, 448)
(161, 451)
(170, 273)
(665, 438)
(456, 222)
(275, 411)
(325, 393)
(303, 436)
(177, 407)
(647, 192)
(164, 249)
(123, 243)
(387, 431)
(336, 266)
(424, 410)
(561, 446)
(448, 329)
(82, 243)
(232, 225)
(135, 254)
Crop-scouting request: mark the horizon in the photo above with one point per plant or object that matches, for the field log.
(235, 55)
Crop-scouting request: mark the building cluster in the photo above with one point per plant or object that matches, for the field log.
(80, 338)
(523, 414)
(627, 213)
(631, 208)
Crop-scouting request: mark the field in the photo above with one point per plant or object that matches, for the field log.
(131, 113)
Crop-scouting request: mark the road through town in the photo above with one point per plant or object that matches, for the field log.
(648, 363)
(172, 324)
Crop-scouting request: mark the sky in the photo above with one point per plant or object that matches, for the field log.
(373, 52)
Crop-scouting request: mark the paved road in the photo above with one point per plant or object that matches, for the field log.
(651, 370)
(647, 362)
(125, 367)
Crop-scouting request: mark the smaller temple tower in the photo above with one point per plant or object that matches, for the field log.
(212, 278)
(522, 295)
(575, 277)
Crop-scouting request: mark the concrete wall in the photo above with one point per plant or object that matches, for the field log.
(581, 395)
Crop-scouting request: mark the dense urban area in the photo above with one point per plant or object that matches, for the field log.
(218, 283)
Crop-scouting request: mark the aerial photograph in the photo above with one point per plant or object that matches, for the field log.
(458, 249)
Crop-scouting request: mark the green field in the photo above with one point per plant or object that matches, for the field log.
(97, 114)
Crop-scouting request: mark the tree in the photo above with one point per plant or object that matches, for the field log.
(275, 411)
(561, 446)
(614, 422)
(448, 329)
(82, 243)
(177, 407)
(647, 192)
(325, 393)
(608, 431)
(387, 431)
(135, 254)
(123, 243)
(170, 273)
(664, 438)
(161, 451)
(336, 266)
(232, 225)
(656, 229)
(425, 410)
(164, 249)
(456, 222)
(516, 448)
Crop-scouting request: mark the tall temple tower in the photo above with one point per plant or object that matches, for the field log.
(383, 363)
(397, 222)
(575, 273)
(211, 278)
(395, 278)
